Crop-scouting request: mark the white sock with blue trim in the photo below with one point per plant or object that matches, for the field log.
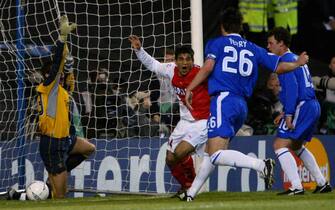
(310, 163)
(237, 159)
(203, 173)
(289, 167)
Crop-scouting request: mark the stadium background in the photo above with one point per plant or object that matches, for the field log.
(103, 40)
(96, 43)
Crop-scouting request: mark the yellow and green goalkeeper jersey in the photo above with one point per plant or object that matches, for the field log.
(53, 100)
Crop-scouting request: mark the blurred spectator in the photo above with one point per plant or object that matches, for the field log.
(100, 92)
(84, 98)
(326, 97)
(265, 107)
(168, 103)
(145, 126)
(119, 112)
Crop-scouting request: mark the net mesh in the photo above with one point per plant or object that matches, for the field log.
(107, 76)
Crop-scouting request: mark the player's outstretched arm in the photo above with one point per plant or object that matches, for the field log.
(284, 67)
(61, 48)
(162, 69)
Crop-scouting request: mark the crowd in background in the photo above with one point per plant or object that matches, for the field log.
(108, 109)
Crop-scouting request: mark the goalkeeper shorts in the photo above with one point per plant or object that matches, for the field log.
(54, 152)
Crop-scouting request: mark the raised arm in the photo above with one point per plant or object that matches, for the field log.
(68, 74)
(161, 69)
(61, 50)
(284, 67)
(202, 75)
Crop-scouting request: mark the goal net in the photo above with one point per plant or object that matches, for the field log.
(130, 145)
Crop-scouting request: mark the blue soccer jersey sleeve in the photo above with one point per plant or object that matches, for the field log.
(268, 60)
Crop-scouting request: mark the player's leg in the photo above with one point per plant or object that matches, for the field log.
(53, 153)
(281, 147)
(227, 116)
(182, 170)
(305, 117)
(187, 137)
(79, 151)
(288, 164)
(58, 184)
(182, 154)
(310, 163)
(182, 151)
(174, 140)
(306, 127)
(235, 158)
(193, 141)
(206, 168)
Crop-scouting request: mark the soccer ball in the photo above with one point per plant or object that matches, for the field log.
(37, 190)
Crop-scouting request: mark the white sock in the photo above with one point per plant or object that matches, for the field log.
(23, 197)
(310, 163)
(237, 159)
(289, 167)
(205, 170)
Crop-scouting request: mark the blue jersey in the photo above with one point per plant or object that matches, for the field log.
(296, 86)
(236, 64)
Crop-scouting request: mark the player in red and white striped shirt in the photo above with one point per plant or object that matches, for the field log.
(190, 134)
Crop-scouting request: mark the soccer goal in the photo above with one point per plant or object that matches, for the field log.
(107, 75)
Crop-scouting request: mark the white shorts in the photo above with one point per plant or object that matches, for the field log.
(195, 133)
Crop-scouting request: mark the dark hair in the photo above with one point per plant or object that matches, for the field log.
(46, 67)
(184, 49)
(281, 34)
(231, 20)
(169, 51)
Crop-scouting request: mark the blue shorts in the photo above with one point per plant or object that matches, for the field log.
(54, 152)
(227, 114)
(305, 119)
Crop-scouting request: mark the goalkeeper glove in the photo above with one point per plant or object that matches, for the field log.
(65, 27)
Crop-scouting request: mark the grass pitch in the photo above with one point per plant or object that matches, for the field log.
(207, 201)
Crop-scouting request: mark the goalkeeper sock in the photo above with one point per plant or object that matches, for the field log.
(73, 161)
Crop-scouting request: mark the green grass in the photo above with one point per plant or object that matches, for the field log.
(213, 200)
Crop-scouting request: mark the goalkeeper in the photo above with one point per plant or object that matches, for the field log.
(190, 134)
(60, 149)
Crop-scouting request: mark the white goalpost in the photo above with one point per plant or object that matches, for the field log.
(129, 158)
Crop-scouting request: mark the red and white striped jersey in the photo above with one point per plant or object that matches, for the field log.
(200, 99)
